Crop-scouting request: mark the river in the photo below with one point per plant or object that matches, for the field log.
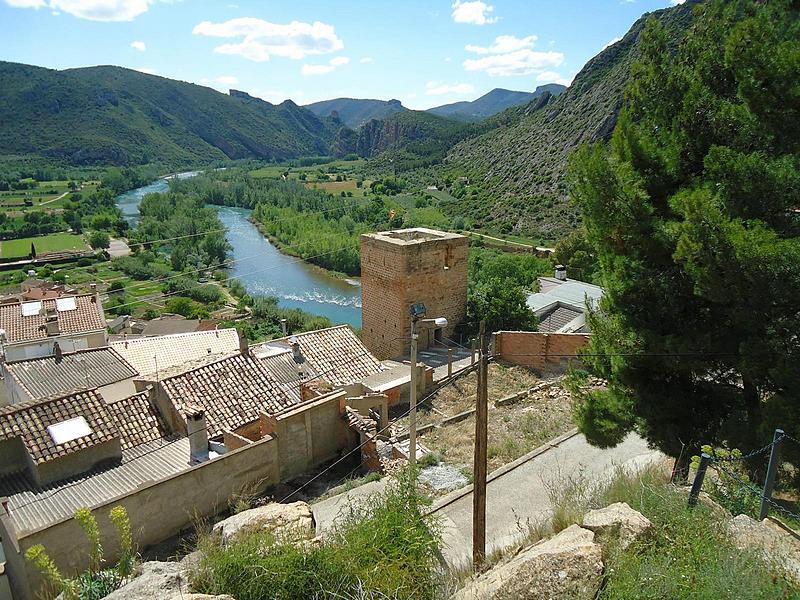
(264, 270)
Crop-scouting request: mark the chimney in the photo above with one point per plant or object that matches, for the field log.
(283, 327)
(561, 272)
(198, 436)
(93, 288)
(243, 347)
(51, 323)
(297, 356)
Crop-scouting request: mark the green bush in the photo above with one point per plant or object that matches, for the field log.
(384, 547)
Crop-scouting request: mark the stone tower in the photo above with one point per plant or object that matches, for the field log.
(402, 267)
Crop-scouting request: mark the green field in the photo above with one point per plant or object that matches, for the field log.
(55, 242)
(46, 196)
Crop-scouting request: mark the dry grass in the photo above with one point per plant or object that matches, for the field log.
(514, 430)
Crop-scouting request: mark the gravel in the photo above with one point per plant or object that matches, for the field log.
(443, 478)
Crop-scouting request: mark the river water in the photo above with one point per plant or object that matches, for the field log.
(264, 270)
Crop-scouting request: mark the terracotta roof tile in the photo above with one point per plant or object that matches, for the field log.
(30, 420)
(86, 316)
(335, 355)
(231, 391)
(138, 421)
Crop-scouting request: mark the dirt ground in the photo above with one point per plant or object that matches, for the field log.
(514, 429)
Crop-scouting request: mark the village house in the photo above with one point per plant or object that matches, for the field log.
(44, 327)
(561, 304)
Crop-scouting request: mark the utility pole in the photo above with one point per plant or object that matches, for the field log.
(480, 466)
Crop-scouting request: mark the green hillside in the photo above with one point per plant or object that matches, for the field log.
(517, 169)
(354, 112)
(111, 115)
(492, 103)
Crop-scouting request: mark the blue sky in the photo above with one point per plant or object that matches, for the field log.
(425, 53)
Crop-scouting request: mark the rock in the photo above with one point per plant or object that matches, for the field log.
(566, 566)
(156, 580)
(777, 546)
(289, 522)
(618, 520)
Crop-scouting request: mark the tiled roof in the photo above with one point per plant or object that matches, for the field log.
(85, 369)
(231, 391)
(335, 354)
(138, 421)
(148, 354)
(30, 420)
(555, 319)
(86, 316)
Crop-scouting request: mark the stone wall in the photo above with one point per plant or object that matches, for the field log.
(538, 350)
(396, 273)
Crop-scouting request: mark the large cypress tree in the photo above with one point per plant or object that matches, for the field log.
(694, 212)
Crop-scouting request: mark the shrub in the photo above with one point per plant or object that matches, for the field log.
(384, 547)
(99, 240)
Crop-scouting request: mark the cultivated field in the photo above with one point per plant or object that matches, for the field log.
(56, 242)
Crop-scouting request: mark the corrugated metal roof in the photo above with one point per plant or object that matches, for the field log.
(31, 508)
(151, 354)
(572, 292)
(56, 376)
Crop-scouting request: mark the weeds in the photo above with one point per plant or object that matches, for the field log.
(383, 547)
(96, 582)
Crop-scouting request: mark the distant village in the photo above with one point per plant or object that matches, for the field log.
(171, 417)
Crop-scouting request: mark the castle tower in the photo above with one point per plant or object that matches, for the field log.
(400, 268)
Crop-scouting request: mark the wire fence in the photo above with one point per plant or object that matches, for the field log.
(724, 464)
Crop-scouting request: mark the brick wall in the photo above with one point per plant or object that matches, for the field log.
(538, 350)
(395, 275)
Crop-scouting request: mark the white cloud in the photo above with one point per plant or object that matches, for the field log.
(261, 39)
(503, 44)
(26, 3)
(333, 63)
(366, 60)
(148, 70)
(140, 46)
(553, 77)
(611, 42)
(676, 2)
(228, 80)
(93, 10)
(474, 13)
(509, 55)
(437, 88)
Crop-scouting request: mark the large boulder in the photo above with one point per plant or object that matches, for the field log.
(777, 546)
(618, 520)
(566, 566)
(288, 522)
(156, 580)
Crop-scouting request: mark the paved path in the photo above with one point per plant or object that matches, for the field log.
(516, 494)
(519, 497)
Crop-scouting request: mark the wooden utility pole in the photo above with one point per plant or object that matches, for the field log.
(480, 467)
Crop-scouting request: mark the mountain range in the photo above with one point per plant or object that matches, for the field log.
(513, 147)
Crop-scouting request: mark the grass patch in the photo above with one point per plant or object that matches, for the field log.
(382, 548)
(56, 242)
(689, 554)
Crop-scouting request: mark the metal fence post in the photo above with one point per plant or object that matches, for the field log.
(472, 354)
(449, 362)
(697, 485)
(769, 481)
